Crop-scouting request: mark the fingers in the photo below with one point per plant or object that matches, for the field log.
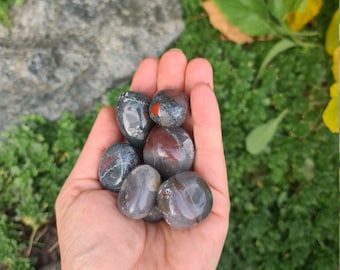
(205, 124)
(167, 73)
(171, 70)
(104, 133)
(145, 78)
(198, 71)
(209, 158)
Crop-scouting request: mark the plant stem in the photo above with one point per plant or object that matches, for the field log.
(30, 242)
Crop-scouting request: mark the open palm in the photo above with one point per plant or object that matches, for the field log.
(93, 234)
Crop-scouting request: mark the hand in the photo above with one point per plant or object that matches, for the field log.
(93, 234)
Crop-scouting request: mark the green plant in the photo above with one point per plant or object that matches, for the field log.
(5, 6)
(35, 159)
(269, 19)
(284, 202)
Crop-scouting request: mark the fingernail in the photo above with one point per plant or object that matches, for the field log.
(176, 49)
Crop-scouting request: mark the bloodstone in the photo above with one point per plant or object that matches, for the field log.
(133, 117)
(169, 108)
(154, 215)
(116, 163)
(169, 150)
(185, 200)
(138, 193)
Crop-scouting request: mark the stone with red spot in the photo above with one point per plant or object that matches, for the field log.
(169, 108)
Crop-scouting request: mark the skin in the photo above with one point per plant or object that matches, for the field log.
(93, 234)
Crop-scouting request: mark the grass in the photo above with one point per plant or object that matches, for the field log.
(284, 201)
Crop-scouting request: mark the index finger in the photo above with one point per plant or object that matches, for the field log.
(145, 78)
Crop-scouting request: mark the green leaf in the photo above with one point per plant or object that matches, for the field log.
(276, 8)
(294, 5)
(278, 48)
(260, 137)
(250, 16)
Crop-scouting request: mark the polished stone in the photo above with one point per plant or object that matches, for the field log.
(154, 215)
(169, 150)
(133, 117)
(138, 193)
(169, 108)
(185, 200)
(117, 161)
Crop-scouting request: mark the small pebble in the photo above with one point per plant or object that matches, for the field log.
(154, 215)
(133, 117)
(169, 108)
(169, 150)
(117, 161)
(185, 200)
(138, 193)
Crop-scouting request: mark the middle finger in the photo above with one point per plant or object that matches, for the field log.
(171, 70)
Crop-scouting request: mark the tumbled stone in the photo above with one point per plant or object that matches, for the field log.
(116, 163)
(169, 108)
(185, 200)
(133, 117)
(154, 215)
(138, 193)
(169, 150)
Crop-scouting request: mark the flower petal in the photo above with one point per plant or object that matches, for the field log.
(334, 90)
(330, 115)
(298, 19)
(332, 34)
(335, 66)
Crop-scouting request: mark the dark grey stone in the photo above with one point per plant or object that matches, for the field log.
(52, 266)
(133, 117)
(63, 55)
(116, 163)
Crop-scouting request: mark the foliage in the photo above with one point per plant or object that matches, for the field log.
(5, 6)
(284, 202)
(259, 138)
(35, 158)
(270, 17)
(242, 21)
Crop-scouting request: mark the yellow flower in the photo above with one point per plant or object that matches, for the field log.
(297, 19)
(28, 221)
(330, 115)
(332, 34)
(335, 66)
(334, 90)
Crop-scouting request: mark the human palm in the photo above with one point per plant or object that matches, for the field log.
(93, 234)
